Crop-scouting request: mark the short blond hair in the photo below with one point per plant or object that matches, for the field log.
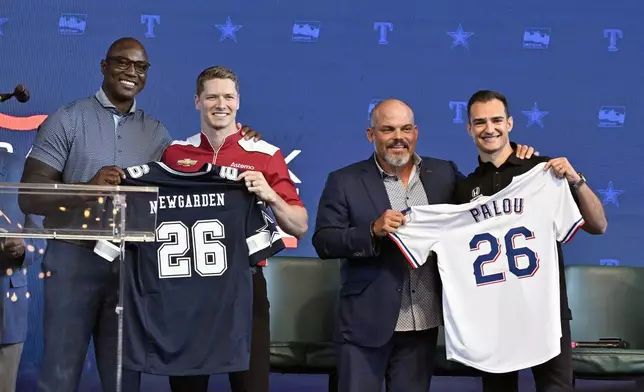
(216, 72)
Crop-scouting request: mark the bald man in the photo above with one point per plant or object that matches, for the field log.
(388, 313)
(86, 142)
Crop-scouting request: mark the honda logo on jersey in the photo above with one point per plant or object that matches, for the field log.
(476, 193)
(289, 240)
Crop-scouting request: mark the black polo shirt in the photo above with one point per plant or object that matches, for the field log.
(489, 180)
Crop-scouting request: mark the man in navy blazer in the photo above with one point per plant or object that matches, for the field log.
(14, 304)
(388, 314)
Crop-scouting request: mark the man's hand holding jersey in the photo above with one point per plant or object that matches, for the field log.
(388, 222)
(257, 184)
(562, 168)
(592, 209)
(293, 219)
(525, 152)
(108, 175)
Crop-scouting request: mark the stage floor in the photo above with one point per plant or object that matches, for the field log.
(308, 383)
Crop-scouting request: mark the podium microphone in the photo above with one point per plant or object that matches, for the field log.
(20, 92)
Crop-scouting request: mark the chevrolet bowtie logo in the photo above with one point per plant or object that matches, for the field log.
(187, 162)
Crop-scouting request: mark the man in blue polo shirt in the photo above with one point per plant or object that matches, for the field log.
(84, 142)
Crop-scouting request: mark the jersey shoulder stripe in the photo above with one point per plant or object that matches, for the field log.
(405, 251)
(258, 146)
(194, 141)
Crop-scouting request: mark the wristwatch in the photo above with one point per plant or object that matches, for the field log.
(582, 181)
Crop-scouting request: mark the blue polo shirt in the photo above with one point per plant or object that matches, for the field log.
(88, 134)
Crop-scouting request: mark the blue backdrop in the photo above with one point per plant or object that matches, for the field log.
(311, 71)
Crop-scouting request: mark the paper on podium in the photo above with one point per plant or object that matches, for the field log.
(79, 212)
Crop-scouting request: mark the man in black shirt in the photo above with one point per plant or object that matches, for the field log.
(489, 124)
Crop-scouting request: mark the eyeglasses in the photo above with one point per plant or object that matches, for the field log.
(122, 63)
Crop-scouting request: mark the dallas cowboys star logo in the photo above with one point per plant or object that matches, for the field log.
(228, 30)
(460, 37)
(610, 194)
(273, 234)
(535, 115)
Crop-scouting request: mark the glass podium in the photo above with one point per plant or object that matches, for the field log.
(105, 214)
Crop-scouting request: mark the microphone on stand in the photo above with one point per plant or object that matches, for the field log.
(20, 92)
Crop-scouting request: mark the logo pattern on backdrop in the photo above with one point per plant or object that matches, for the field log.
(568, 88)
(313, 86)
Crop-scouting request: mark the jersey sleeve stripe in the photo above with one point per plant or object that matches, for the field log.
(261, 241)
(573, 230)
(408, 255)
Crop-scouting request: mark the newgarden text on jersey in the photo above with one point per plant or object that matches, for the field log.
(188, 201)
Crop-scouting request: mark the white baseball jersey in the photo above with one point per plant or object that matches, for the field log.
(497, 258)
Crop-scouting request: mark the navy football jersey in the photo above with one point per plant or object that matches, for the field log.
(188, 305)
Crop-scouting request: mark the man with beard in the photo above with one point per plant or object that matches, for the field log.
(388, 313)
(489, 125)
(87, 142)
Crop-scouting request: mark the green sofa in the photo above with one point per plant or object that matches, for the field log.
(606, 302)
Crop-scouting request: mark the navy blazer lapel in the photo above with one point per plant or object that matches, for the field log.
(375, 187)
(426, 179)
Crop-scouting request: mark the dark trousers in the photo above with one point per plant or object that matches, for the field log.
(9, 361)
(80, 300)
(405, 363)
(553, 376)
(256, 378)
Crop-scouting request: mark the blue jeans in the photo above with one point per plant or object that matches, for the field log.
(80, 300)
